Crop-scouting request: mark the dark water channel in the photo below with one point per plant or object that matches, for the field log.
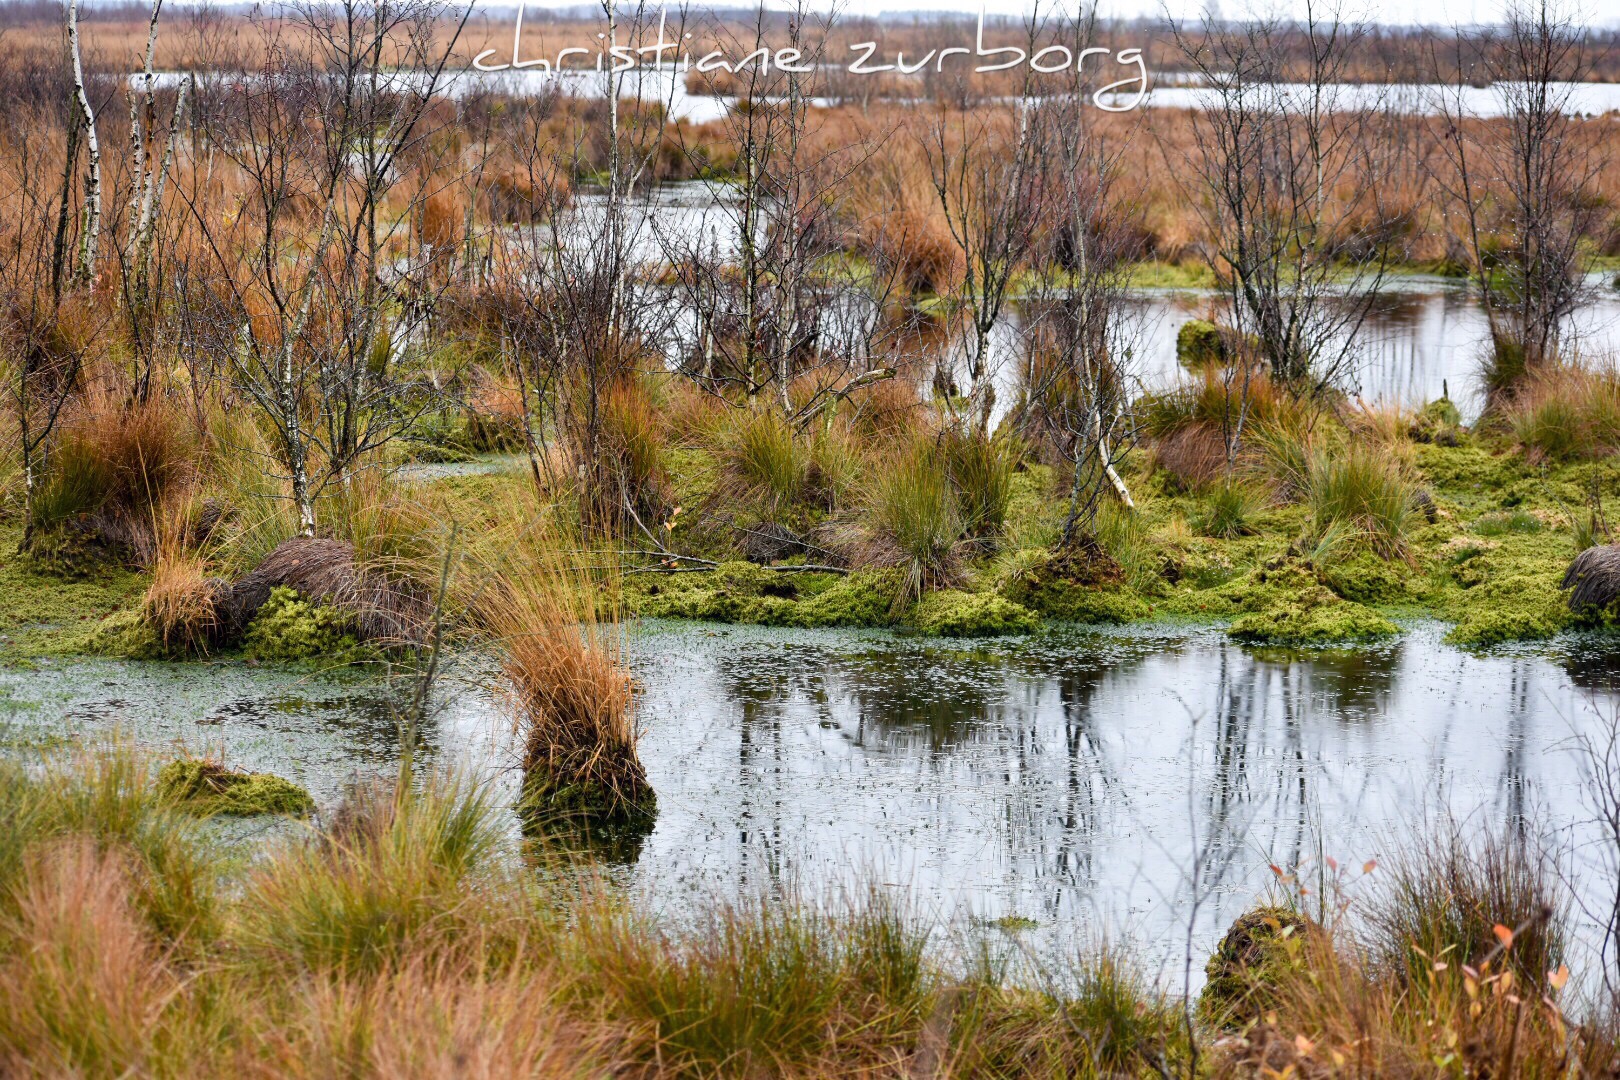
(1067, 783)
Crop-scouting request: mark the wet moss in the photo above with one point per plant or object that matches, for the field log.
(862, 599)
(43, 614)
(1505, 589)
(1260, 948)
(127, 636)
(952, 613)
(1076, 593)
(1437, 422)
(1367, 578)
(583, 808)
(1267, 586)
(208, 789)
(740, 592)
(1470, 470)
(1512, 607)
(1286, 604)
(1315, 618)
(733, 592)
(290, 628)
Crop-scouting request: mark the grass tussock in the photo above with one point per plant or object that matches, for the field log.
(766, 461)
(1362, 489)
(1567, 413)
(1455, 963)
(395, 876)
(111, 472)
(915, 522)
(572, 700)
(1228, 508)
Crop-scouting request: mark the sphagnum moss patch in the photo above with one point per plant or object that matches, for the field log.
(207, 788)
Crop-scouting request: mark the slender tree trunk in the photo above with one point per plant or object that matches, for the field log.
(92, 194)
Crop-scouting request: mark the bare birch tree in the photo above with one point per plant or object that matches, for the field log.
(1284, 171)
(1524, 187)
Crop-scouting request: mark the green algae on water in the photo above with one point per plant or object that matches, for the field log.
(208, 788)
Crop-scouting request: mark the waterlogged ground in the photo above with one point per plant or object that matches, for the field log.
(1049, 788)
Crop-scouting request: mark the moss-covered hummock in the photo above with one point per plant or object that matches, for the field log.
(43, 613)
(289, 628)
(1073, 592)
(741, 592)
(126, 635)
(1287, 604)
(952, 613)
(1319, 618)
(1260, 947)
(585, 804)
(208, 788)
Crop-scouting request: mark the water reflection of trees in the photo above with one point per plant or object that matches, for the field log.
(986, 715)
(1265, 703)
(1032, 738)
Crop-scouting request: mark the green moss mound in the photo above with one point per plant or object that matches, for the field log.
(126, 635)
(289, 628)
(583, 810)
(741, 592)
(1437, 422)
(1259, 948)
(733, 592)
(1367, 578)
(207, 788)
(1316, 618)
(862, 599)
(952, 613)
(1287, 605)
(1080, 593)
(1508, 588)
(1506, 607)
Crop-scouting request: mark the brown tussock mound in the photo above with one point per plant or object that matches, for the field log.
(386, 608)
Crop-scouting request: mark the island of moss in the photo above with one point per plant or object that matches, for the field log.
(208, 789)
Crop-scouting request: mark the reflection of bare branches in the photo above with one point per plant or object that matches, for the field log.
(1598, 758)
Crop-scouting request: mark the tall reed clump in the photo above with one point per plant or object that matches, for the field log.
(179, 607)
(1568, 413)
(255, 509)
(571, 699)
(1360, 487)
(914, 521)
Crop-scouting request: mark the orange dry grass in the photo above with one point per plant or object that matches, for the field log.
(179, 603)
(1338, 1016)
(438, 1021)
(1568, 412)
(571, 699)
(88, 967)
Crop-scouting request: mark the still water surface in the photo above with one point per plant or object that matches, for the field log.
(1071, 778)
